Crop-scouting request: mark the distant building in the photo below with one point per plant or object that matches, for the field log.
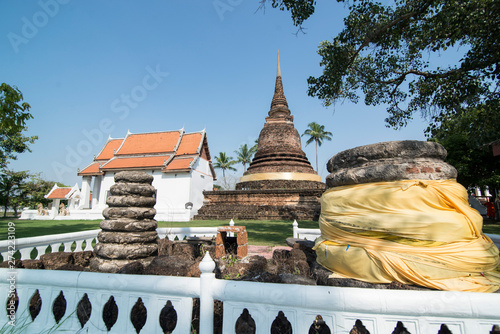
(70, 195)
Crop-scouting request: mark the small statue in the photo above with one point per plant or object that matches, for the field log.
(62, 210)
(41, 210)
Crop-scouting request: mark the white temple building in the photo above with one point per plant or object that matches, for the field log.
(179, 162)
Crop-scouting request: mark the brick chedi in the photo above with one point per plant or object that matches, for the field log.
(279, 162)
(280, 182)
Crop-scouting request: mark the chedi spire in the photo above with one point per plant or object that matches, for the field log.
(279, 106)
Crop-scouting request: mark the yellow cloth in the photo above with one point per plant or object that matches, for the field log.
(415, 232)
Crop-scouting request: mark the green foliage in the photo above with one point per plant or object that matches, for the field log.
(13, 189)
(231, 260)
(467, 137)
(37, 188)
(299, 9)
(224, 162)
(383, 52)
(23, 189)
(244, 155)
(14, 113)
(13, 117)
(317, 134)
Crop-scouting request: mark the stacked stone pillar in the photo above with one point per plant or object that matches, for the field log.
(129, 230)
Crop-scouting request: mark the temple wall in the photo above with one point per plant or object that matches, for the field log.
(200, 181)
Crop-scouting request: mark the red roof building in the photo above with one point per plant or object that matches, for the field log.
(180, 163)
(71, 195)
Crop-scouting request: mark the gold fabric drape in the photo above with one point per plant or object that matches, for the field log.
(419, 232)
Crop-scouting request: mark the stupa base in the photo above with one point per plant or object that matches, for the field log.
(263, 204)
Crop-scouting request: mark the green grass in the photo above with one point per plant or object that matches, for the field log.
(268, 233)
(260, 232)
(34, 228)
(492, 228)
(265, 233)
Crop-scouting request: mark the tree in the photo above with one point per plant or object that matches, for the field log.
(317, 134)
(224, 162)
(12, 189)
(13, 117)
(383, 52)
(245, 154)
(466, 137)
(36, 189)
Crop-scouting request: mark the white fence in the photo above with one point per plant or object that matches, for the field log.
(26, 245)
(81, 241)
(87, 302)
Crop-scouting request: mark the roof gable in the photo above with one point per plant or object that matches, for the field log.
(149, 143)
(109, 149)
(63, 192)
(92, 169)
(59, 193)
(190, 143)
(179, 164)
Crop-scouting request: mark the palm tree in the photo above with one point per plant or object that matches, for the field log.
(317, 133)
(244, 155)
(224, 162)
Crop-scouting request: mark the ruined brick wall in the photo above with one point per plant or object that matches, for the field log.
(273, 204)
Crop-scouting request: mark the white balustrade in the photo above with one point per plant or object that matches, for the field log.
(305, 233)
(26, 245)
(380, 311)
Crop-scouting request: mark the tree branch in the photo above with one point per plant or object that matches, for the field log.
(389, 25)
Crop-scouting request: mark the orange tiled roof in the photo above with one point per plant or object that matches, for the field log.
(59, 193)
(136, 162)
(91, 169)
(146, 143)
(149, 150)
(109, 150)
(190, 143)
(179, 163)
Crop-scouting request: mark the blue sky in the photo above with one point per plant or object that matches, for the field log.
(90, 69)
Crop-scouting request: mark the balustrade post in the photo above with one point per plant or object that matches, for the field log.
(207, 278)
(295, 229)
(231, 234)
